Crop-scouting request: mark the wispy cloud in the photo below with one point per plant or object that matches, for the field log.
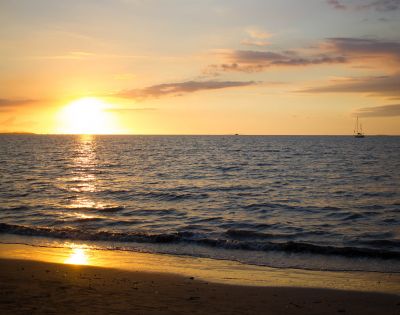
(254, 61)
(380, 111)
(180, 88)
(257, 37)
(382, 5)
(127, 110)
(387, 86)
(378, 5)
(253, 42)
(337, 4)
(257, 33)
(85, 55)
(10, 104)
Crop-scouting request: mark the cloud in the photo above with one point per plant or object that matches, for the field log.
(252, 42)
(179, 88)
(257, 37)
(380, 111)
(256, 33)
(268, 58)
(9, 104)
(337, 4)
(378, 5)
(364, 47)
(382, 5)
(365, 50)
(388, 86)
(254, 61)
(337, 50)
(85, 55)
(127, 110)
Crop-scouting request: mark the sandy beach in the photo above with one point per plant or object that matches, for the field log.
(48, 288)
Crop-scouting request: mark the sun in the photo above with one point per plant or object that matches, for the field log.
(87, 115)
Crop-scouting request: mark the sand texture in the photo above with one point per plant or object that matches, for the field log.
(30, 287)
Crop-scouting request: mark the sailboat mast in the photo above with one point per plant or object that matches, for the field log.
(356, 125)
(358, 131)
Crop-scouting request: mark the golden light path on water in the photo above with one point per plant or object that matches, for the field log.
(84, 161)
(83, 180)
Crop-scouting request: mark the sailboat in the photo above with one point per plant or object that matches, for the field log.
(358, 130)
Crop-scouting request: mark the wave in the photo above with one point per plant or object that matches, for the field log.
(171, 196)
(16, 208)
(381, 242)
(155, 195)
(100, 209)
(387, 194)
(94, 219)
(257, 242)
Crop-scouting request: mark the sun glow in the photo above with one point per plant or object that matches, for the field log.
(77, 257)
(87, 116)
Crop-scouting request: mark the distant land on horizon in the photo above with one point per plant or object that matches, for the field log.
(18, 133)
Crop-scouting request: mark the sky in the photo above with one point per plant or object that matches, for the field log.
(284, 67)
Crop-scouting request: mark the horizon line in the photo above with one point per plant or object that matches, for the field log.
(188, 134)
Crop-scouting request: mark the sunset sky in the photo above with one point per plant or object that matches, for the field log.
(200, 67)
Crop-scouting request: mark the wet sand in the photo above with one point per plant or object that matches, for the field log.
(49, 288)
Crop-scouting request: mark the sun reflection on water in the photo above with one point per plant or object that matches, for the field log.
(78, 257)
(82, 180)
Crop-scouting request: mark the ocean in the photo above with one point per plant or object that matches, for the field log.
(308, 202)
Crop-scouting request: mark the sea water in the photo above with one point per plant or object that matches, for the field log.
(311, 202)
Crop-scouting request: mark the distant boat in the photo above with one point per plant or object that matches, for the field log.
(358, 130)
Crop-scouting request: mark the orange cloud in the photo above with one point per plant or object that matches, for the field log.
(380, 111)
(387, 86)
(179, 88)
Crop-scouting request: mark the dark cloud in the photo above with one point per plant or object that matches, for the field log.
(379, 5)
(388, 86)
(9, 104)
(364, 47)
(253, 61)
(286, 58)
(380, 111)
(181, 88)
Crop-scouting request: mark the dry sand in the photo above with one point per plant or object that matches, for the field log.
(31, 287)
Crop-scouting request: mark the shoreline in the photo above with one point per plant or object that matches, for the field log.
(205, 269)
(36, 287)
